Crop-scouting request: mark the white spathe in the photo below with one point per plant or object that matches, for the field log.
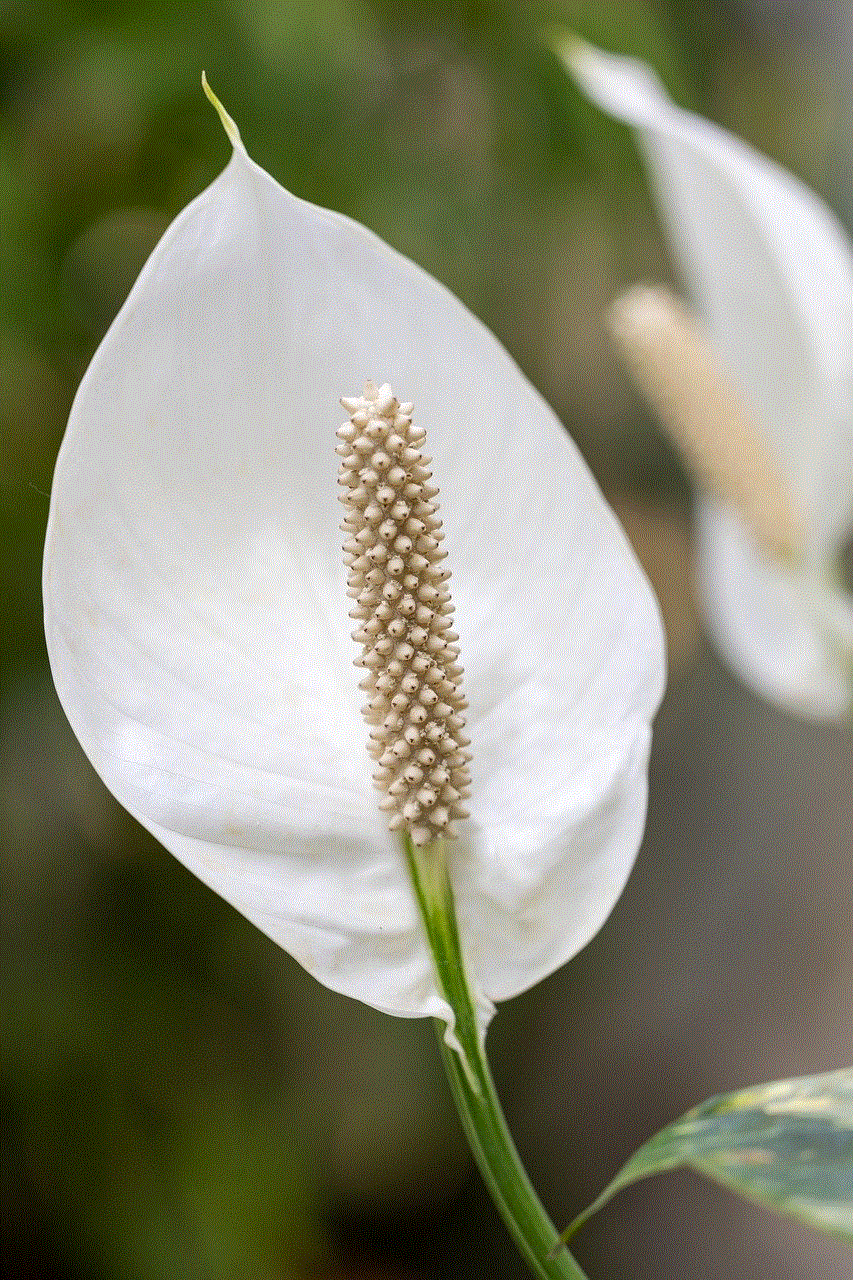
(771, 273)
(196, 608)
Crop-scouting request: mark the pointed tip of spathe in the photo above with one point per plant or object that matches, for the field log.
(569, 47)
(227, 123)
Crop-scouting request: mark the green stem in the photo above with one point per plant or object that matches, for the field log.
(471, 1081)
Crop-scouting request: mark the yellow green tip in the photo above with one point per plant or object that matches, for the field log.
(568, 46)
(227, 123)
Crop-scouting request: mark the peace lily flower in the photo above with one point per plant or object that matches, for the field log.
(771, 273)
(196, 603)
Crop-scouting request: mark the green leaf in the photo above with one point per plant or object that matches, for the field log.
(786, 1145)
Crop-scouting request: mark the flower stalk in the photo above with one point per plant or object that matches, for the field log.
(464, 1057)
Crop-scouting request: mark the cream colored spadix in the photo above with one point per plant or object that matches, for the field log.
(403, 606)
(196, 607)
(672, 364)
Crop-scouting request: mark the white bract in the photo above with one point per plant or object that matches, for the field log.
(771, 273)
(196, 607)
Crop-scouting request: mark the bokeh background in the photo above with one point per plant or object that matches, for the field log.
(181, 1099)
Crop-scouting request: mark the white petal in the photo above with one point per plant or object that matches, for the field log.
(196, 610)
(771, 271)
(788, 634)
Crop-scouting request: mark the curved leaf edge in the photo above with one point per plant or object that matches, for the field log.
(825, 1109)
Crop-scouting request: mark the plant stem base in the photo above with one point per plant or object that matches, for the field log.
(471, 1083)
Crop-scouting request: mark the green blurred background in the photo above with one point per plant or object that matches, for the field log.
(181, 1099)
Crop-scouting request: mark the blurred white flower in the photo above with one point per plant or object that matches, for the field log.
(771, 273)
(196, 609)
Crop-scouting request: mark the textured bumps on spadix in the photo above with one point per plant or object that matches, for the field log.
(402, 605)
